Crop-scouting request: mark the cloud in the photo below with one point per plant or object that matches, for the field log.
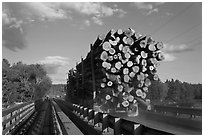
(159, 3)
(95, 10)
(90, 8)
(61, 79)
(51, 68)
(53, 63)
(169, 57)
(169, 14)
(56, 67)
(97, 20)
(151, 11)
(87, 22)
(45, 11)
(176, 48)
(115, 5)
(148, 8)
(121, 13)
(143, 5)
(15, 15)
(13, 35)
(169, 51)
(29, 11)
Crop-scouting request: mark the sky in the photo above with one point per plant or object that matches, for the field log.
(59, 34)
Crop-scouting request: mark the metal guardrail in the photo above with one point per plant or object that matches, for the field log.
(147, 123)
(12, 116)
(193, 112)
(119, 125)
(159, 124)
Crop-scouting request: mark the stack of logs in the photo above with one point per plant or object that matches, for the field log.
(120, 67)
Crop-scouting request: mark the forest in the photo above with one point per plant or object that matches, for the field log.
(57, 90)
(23, 83)
(175, 92)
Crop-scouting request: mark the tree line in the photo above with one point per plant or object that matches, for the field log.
(175, 91)
(22, 82)
(57, 90)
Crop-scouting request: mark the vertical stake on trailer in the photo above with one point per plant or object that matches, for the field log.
(93, 73)
(77, 82)
(82, 72)
(67, 87)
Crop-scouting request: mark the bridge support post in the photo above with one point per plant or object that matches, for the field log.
(85, 114)
(105, 123)
(78, 110)
(74, 108)
(81, 112)
(117, 126)
(97, 118)
(90, 116)
(137, 129)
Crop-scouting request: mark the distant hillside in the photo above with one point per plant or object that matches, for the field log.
(57, 90)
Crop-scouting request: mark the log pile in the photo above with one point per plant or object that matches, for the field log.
(124, 65)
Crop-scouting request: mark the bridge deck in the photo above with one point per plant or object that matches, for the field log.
(68, 125)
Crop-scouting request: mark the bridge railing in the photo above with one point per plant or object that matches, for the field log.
(12, 116)
(193, 112)
(124, 125)
(119, 125)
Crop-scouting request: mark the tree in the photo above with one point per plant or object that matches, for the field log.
(42, 88)
(198, 91)
(183, 93)
(163, 91)
(5, 66)
(158, 90)
(22, 82)
(174, 90)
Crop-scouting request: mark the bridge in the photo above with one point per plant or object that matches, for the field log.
(55, 116)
